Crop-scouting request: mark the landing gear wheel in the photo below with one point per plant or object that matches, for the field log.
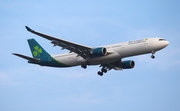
(100, 73)
(104, 70)
(87, 63)
(152, 56)
(84, 66)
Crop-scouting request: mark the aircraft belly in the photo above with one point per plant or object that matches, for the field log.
(105, 59)
(70, 61)
(75, 61)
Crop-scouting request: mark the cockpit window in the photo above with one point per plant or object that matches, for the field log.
(162, 40)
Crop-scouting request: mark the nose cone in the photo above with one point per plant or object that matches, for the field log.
(166, 43)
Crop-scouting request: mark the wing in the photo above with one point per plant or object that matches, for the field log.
(80, 50)
(113, 65)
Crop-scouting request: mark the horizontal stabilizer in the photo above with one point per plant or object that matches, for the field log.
(35, 60)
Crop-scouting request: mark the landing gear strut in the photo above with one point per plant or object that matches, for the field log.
(152, 56)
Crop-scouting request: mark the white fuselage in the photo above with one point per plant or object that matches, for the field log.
(116, 51)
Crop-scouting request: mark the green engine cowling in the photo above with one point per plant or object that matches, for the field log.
(101, 51)
(127, 64)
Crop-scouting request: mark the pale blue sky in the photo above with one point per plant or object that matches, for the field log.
(153, 85)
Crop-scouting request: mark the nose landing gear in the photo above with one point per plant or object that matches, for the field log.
(152, 56)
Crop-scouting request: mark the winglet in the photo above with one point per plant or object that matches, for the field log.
(28, 29)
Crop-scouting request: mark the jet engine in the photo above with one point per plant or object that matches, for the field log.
(127, 64)
(101, 51)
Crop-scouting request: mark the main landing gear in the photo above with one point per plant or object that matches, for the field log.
(85, 64)
(103, 70)
(152, 56)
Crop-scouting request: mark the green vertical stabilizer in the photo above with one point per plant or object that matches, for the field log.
(37, 51)
(44, 58)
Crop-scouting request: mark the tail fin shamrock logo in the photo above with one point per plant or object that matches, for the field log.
(37, 51)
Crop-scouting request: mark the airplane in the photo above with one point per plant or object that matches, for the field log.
(107, 57)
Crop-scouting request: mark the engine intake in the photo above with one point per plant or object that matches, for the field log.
(127, 64)
(101, 51)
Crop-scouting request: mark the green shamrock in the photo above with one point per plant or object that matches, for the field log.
(37, 51)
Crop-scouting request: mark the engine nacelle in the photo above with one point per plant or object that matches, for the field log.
(127, 64)
(101, 51)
